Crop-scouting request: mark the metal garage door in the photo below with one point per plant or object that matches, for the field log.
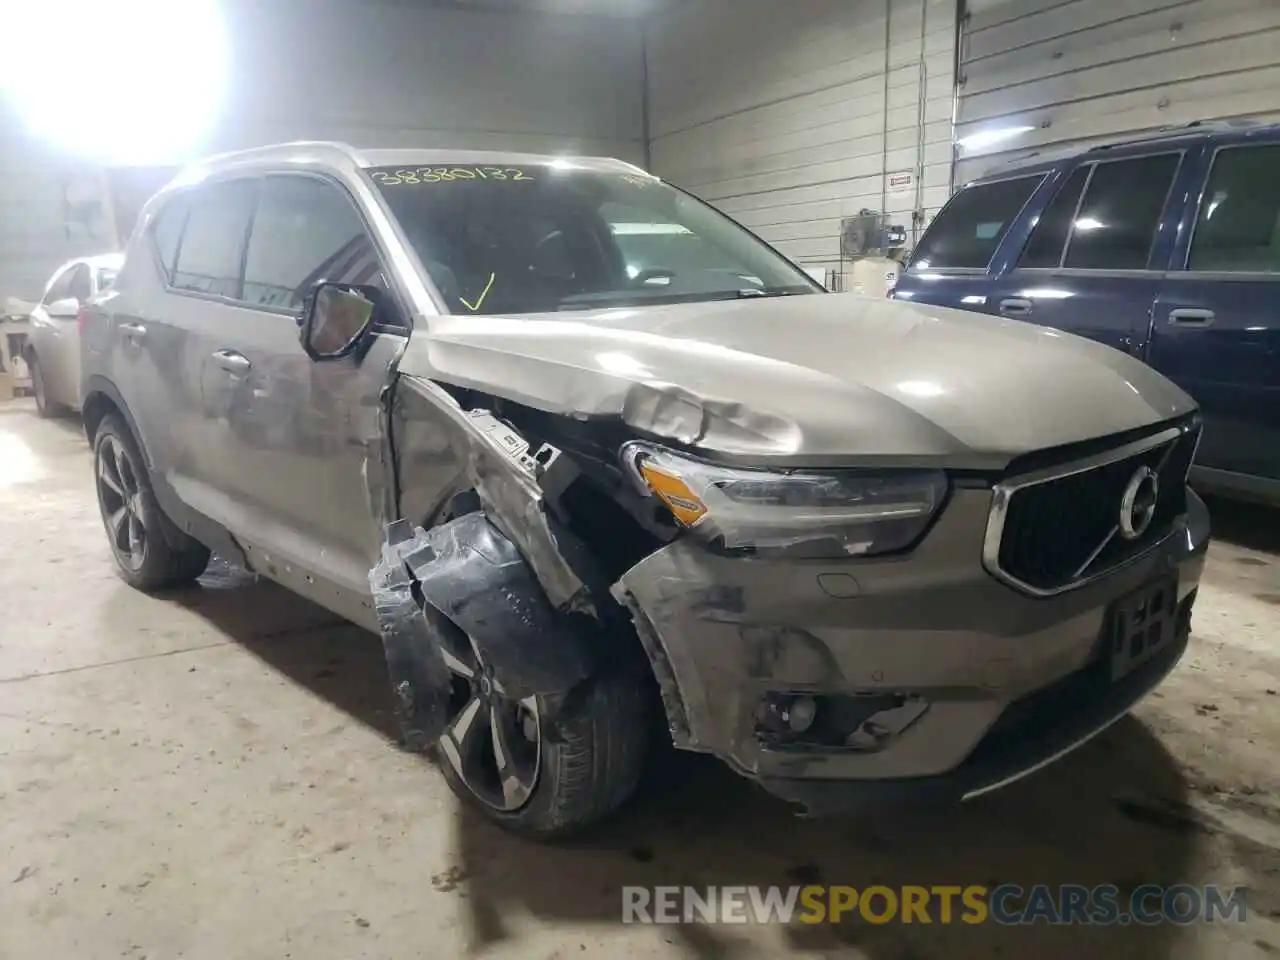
(1041, 73)
(791, 115)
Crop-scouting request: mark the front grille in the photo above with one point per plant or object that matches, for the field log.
(1064, 529)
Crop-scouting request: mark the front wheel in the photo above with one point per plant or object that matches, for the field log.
(149, 551)
(45, 407)
(542, 767)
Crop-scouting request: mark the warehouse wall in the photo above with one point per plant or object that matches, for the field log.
(789, 116)
(386, 72)
(1080, 71)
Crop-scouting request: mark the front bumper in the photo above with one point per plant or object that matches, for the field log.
(1011, 681)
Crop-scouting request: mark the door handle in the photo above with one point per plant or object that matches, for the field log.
(231, 361)
(1015, 306)
(1188, 317)
(133, 331)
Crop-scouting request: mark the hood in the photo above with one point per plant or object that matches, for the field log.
(834, 378)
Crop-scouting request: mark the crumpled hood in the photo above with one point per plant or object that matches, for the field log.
(807, 379)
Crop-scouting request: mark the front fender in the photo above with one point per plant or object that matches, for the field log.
(473, 577)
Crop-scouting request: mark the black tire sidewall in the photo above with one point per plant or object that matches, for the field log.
(38, 388)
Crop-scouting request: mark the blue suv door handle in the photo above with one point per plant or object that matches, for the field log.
(1015, 306)
(1188, 317)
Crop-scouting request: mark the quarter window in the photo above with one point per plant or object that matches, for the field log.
(1049, 236)
(970, 227)
(305, 230)
(1116, 224)
(81, 283)
(166, 231)
(1238, 229)
(211, 245)
(60, 288)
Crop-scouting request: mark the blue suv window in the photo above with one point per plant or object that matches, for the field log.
(970, 227)
(1116, 223)
(1238, 229)
(1049, 236)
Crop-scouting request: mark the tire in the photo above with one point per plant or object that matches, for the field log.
(46, 408)
(150, 552)
(588, 766)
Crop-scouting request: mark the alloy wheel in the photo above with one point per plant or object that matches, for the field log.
(120, 497)
(492, 742)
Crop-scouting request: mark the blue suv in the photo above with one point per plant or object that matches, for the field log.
(1166, 247)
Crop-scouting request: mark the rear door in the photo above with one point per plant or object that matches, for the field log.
(950, 264)
(1093, 261)
(1216, 329)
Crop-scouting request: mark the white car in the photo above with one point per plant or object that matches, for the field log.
(53, 345)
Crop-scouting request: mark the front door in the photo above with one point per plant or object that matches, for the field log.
(297, 436)
(1216, 329)
(1089, 265)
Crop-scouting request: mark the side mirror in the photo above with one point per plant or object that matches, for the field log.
(335, 318)
(64, 309)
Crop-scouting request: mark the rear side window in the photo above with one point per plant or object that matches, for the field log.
(211, 245)
(166, 231)
(1049, 236)
(1238, 229)
(970, 227)
(305, 230)
(1116, 224)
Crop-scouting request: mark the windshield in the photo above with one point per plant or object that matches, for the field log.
(531, 239)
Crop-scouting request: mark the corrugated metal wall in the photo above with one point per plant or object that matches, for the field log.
(1079, 71)
(385, 72)
(791, 115)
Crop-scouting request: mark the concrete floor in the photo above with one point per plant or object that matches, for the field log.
(214, 775)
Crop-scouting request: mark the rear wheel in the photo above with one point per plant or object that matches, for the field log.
(539, 766)
(149, 550)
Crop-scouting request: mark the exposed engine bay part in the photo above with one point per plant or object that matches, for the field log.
(517, 488)
(472, 576)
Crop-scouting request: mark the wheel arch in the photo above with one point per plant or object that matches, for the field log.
(101, 399)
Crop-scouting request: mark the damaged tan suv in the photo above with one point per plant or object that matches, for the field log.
(863, 551)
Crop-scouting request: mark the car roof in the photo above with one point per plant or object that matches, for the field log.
(313, 151)
(1042, 160)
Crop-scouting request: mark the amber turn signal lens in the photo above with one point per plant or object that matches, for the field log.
(675, 493)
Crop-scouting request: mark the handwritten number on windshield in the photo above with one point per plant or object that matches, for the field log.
(421, 175)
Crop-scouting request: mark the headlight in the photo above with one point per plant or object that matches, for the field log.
(806, 514)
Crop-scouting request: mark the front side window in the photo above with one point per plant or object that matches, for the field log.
(539, 238)
(106, 278)
(1117, 220)
(305, 230)
(210, 247)
(970, 227)
(1238, 229)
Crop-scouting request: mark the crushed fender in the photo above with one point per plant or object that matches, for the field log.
(471, 579)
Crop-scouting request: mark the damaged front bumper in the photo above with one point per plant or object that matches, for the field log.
(921, 678)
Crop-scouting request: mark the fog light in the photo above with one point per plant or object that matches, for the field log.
(799, 714)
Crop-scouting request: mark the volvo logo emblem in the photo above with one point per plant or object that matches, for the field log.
(1138, 505)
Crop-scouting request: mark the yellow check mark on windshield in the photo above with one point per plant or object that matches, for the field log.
(473, 307)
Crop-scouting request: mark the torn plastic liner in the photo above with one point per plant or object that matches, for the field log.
(474, 578)
(419, 677)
